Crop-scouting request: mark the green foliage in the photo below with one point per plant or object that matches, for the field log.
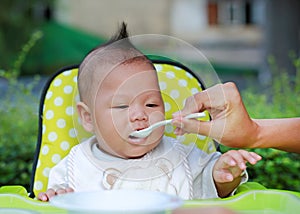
(277, 169)
(18, 121)
(18, 136)
(17, 20)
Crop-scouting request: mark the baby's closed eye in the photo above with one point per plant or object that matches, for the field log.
(121, 106)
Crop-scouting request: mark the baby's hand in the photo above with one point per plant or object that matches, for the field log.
(45, 196)
(232, 164)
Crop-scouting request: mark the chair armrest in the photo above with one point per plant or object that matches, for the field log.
(14, 189)
(249, 186)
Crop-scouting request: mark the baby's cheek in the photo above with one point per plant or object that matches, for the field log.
(156, 116)
(154, 139)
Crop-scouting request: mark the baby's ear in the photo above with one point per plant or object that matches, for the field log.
(85, 116)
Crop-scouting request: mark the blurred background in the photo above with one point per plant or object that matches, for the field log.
(255, 43)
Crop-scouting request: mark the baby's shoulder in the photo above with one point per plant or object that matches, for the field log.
(83, 147)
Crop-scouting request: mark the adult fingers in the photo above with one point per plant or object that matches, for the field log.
(191, 126)
(194, 103)
(215, 98)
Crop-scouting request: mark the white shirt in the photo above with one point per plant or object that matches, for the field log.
(171, 167)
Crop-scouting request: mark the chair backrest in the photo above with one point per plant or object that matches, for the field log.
(59, 124)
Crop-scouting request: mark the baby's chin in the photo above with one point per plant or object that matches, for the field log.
(136, 148)
(137, 156)
(138, 151)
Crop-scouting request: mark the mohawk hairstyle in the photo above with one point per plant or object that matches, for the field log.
(121, 34)
(117, 50)
(118, 41)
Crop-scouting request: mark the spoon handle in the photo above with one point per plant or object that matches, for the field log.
(145, 132)
(195, 115)
(190, 116)
(161, 123)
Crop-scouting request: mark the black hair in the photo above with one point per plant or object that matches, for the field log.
(121, 34)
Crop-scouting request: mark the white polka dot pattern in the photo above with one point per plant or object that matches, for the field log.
(38, 186)
(68, 89)
(65, 145)
(58, 101)
(176, 85)
(61, 123)
(57, 82)
(61, 128)
(59, 132)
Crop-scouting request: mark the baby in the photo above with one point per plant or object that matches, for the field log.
(119, 94)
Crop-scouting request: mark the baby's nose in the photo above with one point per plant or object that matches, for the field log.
(138, 114)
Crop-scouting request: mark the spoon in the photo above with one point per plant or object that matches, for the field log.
(147, 131)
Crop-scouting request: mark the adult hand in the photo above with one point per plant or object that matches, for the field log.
(230, 122)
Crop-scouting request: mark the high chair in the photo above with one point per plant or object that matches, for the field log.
(60, 130)
(59, 124)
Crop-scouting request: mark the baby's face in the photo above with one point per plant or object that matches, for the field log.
(128, 99)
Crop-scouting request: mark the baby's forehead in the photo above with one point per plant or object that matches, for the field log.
(129, 70)
(101, 62)
(105, 60)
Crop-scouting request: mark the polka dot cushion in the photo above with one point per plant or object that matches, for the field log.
(176, 85)
(61, 127)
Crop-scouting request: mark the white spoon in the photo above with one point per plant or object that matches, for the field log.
(147, 131)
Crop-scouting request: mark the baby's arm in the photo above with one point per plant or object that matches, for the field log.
(57, 182)
(229, 167)
(45, 196)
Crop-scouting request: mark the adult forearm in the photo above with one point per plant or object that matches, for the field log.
(280, 134)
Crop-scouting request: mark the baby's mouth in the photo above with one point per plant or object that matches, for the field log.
(133, 137)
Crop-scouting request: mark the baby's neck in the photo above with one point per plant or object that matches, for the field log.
(109, 156)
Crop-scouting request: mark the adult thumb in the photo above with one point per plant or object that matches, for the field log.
(196, 126)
